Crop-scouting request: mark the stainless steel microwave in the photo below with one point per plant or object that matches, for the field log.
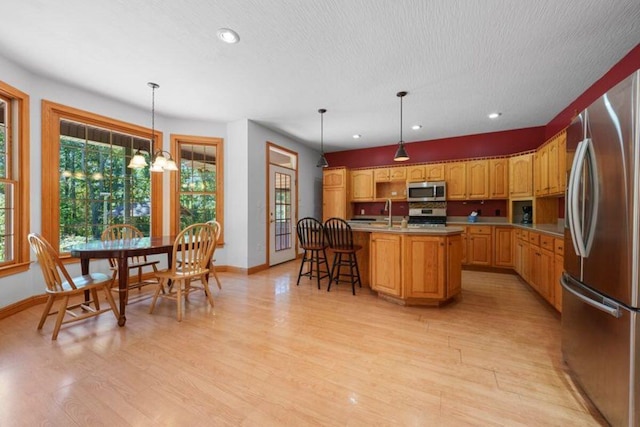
(428, 191)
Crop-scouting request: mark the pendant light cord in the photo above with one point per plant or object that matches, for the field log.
(153, 86)
(401, 141)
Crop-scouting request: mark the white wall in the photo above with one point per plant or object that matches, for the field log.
(244, 164)
(309, 186)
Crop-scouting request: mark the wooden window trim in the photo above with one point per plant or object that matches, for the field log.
(20, 157)
(51, 115)
(174, 218)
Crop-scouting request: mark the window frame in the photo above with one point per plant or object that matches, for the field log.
(18, 148)
(52, 113)
(174, 217)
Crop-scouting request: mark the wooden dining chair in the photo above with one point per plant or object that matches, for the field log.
(216, 225)
(191, 259)
(138, 265)
(60, 285)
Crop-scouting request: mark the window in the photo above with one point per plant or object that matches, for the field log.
(86, 182)
(14, 183)
(198, 195)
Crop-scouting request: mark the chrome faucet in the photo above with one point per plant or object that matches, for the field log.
(387, 207)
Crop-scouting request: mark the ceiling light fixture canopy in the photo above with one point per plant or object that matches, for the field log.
(401, 152)
(163, 160)
(227, 35)
(322, 162)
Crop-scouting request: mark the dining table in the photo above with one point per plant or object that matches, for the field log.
(121, 250)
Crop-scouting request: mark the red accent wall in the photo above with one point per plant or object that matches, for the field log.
(626, 66)
(460, 147)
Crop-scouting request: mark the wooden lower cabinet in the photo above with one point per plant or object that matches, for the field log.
(416, 269)
(480, 245)
(386, 267)
(361, 238)
(425, 267)
(503, 247)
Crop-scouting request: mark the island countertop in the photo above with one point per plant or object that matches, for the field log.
(396, 229)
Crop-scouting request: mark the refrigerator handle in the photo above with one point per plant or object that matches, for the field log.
(595, 193)
(612, 310)
(575, 227)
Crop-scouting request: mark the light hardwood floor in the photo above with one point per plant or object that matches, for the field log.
(271, 353)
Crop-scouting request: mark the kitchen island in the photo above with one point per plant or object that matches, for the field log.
(410, 266)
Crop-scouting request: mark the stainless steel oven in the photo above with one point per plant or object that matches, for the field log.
(428, 191)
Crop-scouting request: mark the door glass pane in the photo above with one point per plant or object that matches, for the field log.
(283, 211)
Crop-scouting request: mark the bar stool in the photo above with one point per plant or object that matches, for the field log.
(312, 240)
(341, 243)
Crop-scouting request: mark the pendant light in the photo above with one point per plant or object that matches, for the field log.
(163, 160)
(322, 163)
(401, 152)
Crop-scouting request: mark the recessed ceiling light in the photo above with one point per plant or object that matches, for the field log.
(494, 115)
(416, 127)
(228, 36)
(357, 136)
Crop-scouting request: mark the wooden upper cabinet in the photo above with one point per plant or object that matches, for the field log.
(416, 173)
(541, 171)
(335, 194)
(381, 175)
(456, 177)
(398, 173)
(434, 172)
(362, 184)
(477, 179)
(558, 164)
(521, 176)
(334, 177)
(553, 168)
(499, 178)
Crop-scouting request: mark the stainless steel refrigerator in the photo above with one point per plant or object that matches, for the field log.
(600, 329)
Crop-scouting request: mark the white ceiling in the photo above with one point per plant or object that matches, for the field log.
(458, 59)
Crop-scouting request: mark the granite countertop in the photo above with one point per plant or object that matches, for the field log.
(378, 224)
(396, 228)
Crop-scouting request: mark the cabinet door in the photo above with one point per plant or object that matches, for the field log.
(454, 265)
(521, 176)
(386, 264)
(563, 168)
(465, 244)
(541, 171)
(499, 178)
(503, 244)
(362, 184)
(398, 173)
(553, 170)
(480, 246)
(557, 287)
(334, 203)
(425, 267)
(434, 172)
(478, 179)
(334, 177)
(381, 175)
(416, 173)
(456, 177)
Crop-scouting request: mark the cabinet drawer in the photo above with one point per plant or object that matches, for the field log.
(546, 242)
(479, 229)
(534, 239)
(524, 235)
(559, 246)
